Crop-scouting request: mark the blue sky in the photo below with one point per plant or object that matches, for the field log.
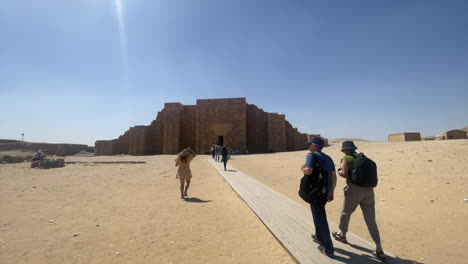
(79, 71)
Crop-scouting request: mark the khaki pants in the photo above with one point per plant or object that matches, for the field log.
(355, 195)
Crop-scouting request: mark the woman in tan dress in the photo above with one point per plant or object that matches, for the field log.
(183, 173)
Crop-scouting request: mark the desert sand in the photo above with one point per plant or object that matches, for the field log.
(132, 213)
(420, 205)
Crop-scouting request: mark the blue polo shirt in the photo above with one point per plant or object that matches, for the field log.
(326, 161)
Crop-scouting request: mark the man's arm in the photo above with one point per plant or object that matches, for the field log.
(307, 171)
(344, 169)
(307, 168)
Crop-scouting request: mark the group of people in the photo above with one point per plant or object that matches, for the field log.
(354, 195)
(220, 154)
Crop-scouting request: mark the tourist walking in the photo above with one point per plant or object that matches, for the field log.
(183, 172)
(213, 151)
(319, 162)
(218, 153)
(225, 155)
(355, 195)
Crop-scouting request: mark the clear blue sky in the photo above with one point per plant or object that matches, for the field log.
(77, 71)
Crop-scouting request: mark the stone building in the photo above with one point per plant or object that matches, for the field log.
(407, 136)
(455, 134)
(232, 122)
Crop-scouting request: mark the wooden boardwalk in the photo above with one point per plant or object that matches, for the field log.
(291, 223)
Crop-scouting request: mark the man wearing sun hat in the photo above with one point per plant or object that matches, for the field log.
(355, 195)
(322, 230)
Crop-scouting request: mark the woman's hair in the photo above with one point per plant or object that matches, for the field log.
(184, 154)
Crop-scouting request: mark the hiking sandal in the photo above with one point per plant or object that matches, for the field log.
(339, 237)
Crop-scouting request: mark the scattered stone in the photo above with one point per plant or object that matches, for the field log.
(76, 234)
(393, 188)
(447, 183)
(117, 253)
(429, 160)
(34, 187)
(172, 242)
(432, 201)
(97, 225)
(465, 200)
(51, 221)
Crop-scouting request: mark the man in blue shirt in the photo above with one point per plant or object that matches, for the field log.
(322, 231)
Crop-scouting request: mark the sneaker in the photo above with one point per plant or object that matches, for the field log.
(324, 250)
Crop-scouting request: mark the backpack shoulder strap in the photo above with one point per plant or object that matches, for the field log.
(316, 161)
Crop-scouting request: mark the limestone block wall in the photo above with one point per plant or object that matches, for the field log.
(104, 147)
(58, 149)
(155, 136)
(137, 140)
(122, 144)
(455, 134)
(407, 136)
(231, 122)
(276, 132)
(188, 125)
(257, 130)
(171, 127)
(221, 119)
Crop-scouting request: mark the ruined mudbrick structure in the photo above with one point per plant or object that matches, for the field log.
(455, 134)
(232, 122)
(407, 136)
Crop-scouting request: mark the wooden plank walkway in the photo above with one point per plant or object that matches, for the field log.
(291, 223)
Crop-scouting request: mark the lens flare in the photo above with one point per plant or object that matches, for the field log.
(122, 33)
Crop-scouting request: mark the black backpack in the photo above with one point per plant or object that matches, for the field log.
(313, 187)
(364, 172)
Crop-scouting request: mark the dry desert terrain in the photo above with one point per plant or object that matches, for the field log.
(132, 213)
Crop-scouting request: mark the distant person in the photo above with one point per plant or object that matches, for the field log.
(218, 153)
(355, 195)
(184, 173)
(36, 159)
(213, 151)
(37, 156)
(322, 230)
(225, 156)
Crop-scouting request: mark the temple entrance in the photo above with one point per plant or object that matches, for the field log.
(221, 140)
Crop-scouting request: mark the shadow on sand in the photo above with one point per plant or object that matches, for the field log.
(354, 258)
(232, 170)
(196, 200)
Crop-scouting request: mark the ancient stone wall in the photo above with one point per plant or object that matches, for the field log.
(104, 147)
(58, 149)
(137, 140)
(221, 120)
(231, 122)
(407, 136)
(155, 136)
(122, 144)
(188, 125)
(276, 132)
(257, 130)
(171, 127)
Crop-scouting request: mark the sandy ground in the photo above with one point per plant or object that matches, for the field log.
(127, 213)
(420, 205)
(132, 213)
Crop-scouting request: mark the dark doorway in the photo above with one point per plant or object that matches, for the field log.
(221, 140)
